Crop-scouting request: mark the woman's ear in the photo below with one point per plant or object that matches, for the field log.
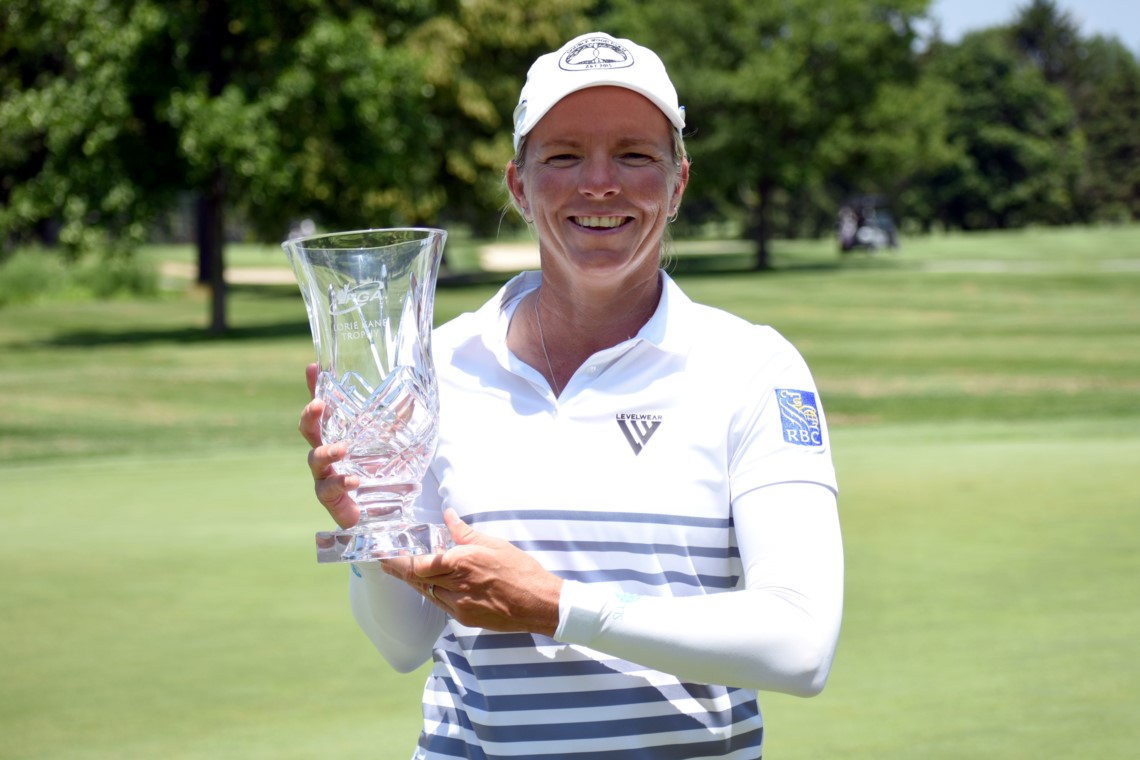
(515, 186)
(682, 182)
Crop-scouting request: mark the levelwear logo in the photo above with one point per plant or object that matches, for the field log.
(638, 428)
(596, 53)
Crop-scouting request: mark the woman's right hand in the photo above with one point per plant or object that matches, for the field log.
(332, 488)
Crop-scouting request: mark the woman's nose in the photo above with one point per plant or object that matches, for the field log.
(599, 178)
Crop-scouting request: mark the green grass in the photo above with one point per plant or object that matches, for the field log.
(162, 600)
(171, 608)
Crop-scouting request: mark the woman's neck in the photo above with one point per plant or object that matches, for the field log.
(556, 331)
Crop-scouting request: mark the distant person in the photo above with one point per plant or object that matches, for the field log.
(640, 487)
(304, 228)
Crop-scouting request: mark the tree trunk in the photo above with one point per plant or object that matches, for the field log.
(211, 209)
(761, 225)
(202, 227)
(211, 244)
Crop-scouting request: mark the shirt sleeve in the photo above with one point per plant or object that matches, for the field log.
(778, 633)
(781, 435)
(400, 623)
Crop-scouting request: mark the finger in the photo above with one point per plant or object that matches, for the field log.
(322, 458)
(398, 567)
(404, 569)
(311, 379)
(334, 495)
(461, 532)
(429, 568)
(344, 511)
(335, 488)
(435, 595)
(310, 424)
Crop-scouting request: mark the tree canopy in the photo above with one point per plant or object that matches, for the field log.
(783, 98)
(355, 113)
(387, 112)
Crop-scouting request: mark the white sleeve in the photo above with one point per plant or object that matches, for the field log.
(777, 634)
(400, 623)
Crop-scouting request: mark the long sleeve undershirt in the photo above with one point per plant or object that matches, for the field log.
(777, 634)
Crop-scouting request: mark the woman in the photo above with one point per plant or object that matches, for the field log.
(639, 488)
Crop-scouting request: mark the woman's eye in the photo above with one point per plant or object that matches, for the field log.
(638, 158)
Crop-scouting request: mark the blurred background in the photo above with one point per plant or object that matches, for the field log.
(215, 121)
(937, 202)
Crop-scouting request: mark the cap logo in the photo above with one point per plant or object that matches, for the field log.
(596, 53)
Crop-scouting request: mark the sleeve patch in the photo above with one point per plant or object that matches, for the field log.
(799, 417)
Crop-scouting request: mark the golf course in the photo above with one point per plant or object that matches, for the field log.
(157, 569)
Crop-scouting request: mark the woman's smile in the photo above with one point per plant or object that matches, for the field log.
(600, 222)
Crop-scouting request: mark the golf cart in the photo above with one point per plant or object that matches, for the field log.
(864, 223)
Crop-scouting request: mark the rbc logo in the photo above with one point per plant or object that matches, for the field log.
(799, 417)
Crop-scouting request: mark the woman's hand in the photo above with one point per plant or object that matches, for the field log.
(332, 488)
(484, 582)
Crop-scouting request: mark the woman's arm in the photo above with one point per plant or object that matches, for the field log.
(400, 623)
(778, 634)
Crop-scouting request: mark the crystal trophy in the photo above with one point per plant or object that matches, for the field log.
(369, 297)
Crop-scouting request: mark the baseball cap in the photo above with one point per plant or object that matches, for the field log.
(594, 60)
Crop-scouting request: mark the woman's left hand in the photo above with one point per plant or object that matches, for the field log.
(484, 582)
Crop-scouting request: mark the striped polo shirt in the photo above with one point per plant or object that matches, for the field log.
(625, 482)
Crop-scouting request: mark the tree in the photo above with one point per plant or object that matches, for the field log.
(1106, 95)
(478, 53)
(1049, 37)
(354, 112)
(1020, 152)
(289, 110)
(71, 166)
(777, 94)
(111, 108)
(1101, 79)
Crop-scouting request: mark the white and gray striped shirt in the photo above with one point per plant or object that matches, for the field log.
(624, 487)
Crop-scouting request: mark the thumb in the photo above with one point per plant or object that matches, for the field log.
(462, 533)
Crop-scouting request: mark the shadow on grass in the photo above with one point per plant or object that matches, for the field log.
(706, 264)
(180, 335)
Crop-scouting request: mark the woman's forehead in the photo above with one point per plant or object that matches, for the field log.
(615, 112)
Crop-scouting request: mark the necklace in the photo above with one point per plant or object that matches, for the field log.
(542, 340)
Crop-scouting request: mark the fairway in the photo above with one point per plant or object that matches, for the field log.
(156, 514)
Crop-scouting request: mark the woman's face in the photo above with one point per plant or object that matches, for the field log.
(599, 181)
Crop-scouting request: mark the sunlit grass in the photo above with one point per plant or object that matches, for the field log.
(155, 512)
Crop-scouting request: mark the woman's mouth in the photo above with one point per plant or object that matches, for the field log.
(599, 222)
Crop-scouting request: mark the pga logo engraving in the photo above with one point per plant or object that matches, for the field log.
(799, 416)
(345, 299)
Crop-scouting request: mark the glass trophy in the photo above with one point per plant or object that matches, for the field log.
(369, 297)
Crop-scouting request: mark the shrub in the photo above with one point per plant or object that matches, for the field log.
(111, 276)
(29, 274)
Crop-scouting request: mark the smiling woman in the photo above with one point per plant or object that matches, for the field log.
(599, 192)
(639, 488)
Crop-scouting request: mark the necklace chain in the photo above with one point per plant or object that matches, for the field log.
(542, 341)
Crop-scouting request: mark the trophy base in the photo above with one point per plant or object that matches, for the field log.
(372, 543)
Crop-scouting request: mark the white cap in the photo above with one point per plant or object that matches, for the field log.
(594, 60)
